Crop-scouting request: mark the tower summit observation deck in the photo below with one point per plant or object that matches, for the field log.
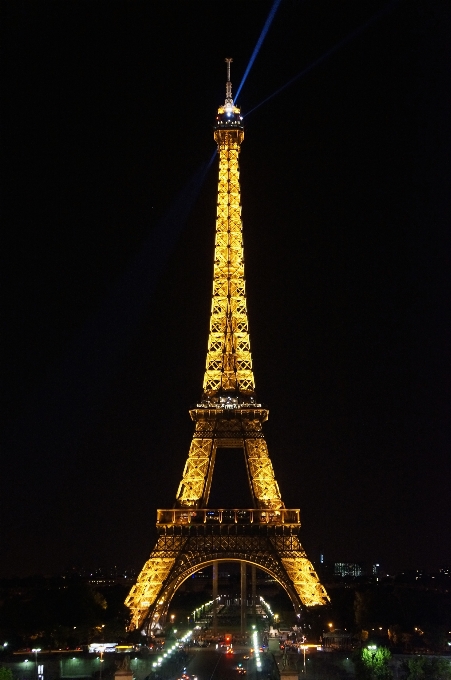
(191, 535)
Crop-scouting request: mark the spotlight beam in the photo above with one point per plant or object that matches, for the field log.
(378, 15)
(265, 30)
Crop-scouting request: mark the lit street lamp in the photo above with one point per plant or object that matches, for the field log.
(36, 659)
(303, 649)
(101, 650)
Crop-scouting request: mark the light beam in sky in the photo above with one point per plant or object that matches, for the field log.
(265, 30)
(326, 55)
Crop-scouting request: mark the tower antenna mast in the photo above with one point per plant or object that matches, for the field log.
(229, 99)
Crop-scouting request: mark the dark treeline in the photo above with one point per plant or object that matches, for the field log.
(69, 612)
(403, 617)
(59, 612)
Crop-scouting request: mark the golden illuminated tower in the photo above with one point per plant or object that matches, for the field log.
(191, 535)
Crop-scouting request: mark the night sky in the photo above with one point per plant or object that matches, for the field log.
(108, 211)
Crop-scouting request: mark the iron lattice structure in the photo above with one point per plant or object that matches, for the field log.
(191, 535)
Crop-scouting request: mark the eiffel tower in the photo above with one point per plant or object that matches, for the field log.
(191, 535)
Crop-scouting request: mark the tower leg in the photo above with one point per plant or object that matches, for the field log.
(243, 598)
(215, 597)
(254, 590)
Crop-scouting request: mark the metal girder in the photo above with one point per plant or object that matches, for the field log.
(145, 592)
(229, 361)
(239, 427)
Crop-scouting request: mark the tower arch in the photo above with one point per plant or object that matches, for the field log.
(158, 613)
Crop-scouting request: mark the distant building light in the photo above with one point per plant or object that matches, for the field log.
(348, 569)
(102, 647)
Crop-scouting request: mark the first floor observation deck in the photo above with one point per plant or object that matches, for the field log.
(225, 516)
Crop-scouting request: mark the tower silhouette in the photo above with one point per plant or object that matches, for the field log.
(191, 535)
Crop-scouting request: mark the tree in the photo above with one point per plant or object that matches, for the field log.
(371, 663)
(362, 606)
(423, 668)
(51, 613)
(6, 673)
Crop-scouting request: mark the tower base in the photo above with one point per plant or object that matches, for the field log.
(183, 549)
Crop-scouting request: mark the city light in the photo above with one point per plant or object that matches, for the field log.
(266, 606)
(167, 654)
(256, 647)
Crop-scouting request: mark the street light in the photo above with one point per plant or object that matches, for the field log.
(101, 650)
(36, 658)
(303, 649)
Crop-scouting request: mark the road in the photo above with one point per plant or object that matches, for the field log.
(212, 664)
